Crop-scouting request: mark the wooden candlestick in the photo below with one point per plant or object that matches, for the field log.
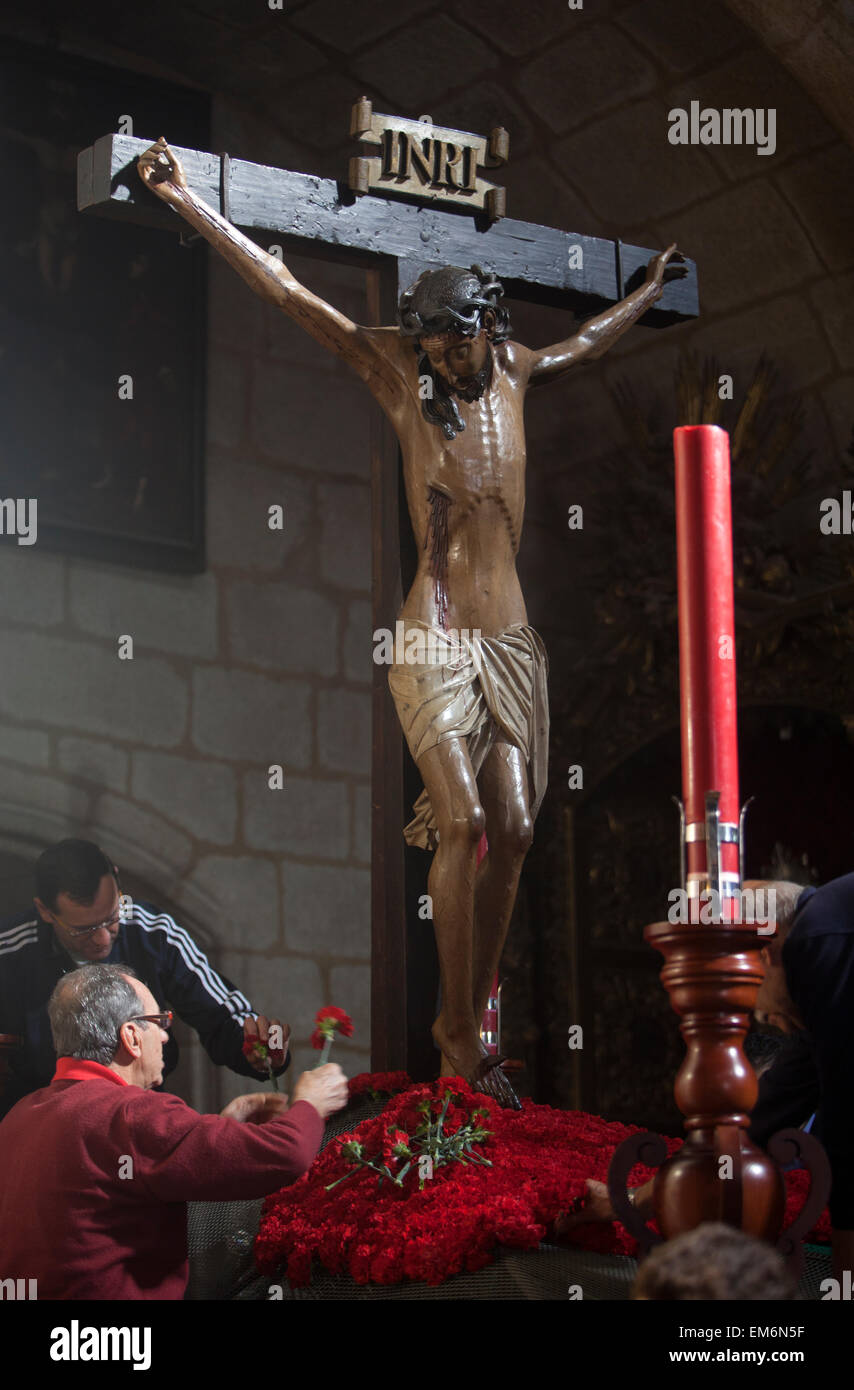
(712, 971)
(712, 974)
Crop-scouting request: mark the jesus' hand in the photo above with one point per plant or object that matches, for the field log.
(667, 265)
(161, 170)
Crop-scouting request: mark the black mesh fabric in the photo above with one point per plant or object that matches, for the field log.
(221, 1237)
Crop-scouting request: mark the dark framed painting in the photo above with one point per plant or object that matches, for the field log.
(102, 325)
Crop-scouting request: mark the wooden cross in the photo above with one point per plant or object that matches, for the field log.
(394, 241)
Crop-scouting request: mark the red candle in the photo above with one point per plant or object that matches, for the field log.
(707, 654)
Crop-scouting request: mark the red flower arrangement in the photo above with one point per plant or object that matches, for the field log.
(377, 1084)
(539, 1160)
(329, 1021)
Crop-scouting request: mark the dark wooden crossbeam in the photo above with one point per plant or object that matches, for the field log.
(303, 207)
(394, 241)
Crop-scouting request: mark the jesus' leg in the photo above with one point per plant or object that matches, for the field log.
(503, 787)
(449, 779)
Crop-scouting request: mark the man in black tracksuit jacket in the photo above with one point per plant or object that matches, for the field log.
(37, 947)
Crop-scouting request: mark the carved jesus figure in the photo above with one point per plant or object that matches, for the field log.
(475, 716)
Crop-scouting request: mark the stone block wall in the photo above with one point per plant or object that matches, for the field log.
(263, 660)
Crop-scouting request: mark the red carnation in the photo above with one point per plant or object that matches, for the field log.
(259, 1055)
(329, 1021)
(256, 1051)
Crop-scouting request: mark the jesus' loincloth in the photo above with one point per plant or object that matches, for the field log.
(478, 689)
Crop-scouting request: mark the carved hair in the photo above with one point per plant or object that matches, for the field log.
(453, 300)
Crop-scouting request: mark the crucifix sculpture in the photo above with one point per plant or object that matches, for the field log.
(451, 384)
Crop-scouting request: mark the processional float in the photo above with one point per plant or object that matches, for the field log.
(712, 970)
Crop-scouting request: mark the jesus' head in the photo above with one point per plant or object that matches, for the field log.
(454, 317)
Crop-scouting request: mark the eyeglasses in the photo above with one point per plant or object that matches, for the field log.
(109, 922)
(163, 1020)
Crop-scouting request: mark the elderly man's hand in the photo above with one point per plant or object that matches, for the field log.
(325, 1088)
(256, 1108)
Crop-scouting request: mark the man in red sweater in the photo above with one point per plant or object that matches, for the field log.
(96, 1168)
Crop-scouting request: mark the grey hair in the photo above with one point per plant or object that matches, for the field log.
(786, 902)
(88, 1007)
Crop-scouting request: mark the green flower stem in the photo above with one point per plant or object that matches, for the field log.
(430, 1140)
(349, 1174)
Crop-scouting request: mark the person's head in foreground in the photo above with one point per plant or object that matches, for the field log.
(105, 1014)
(774, 1004)
(714, 1262)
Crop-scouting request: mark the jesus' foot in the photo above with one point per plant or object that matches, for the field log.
(465, 1055)
(461, 1050)
(489, 1078)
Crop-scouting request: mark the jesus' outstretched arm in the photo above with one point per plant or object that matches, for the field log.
(368, 350)
(600, 333)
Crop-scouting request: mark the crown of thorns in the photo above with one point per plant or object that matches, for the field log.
(451, 299)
